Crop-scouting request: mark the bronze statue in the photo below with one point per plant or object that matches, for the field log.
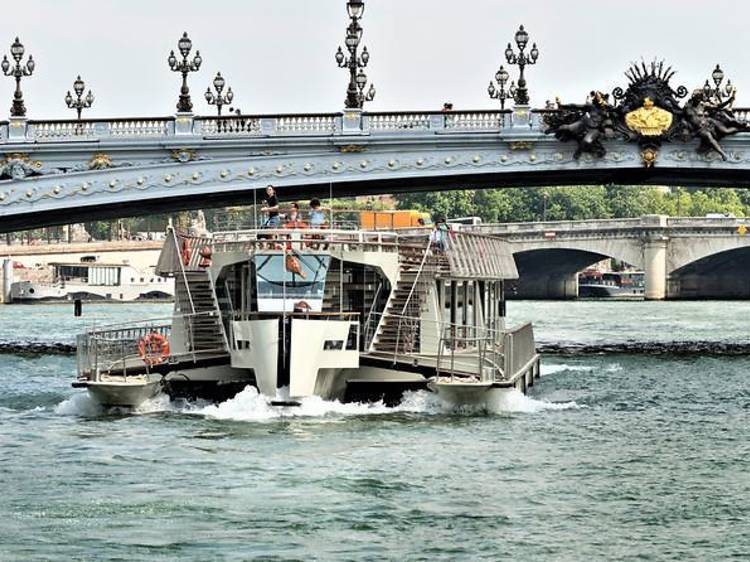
(586, 124)
(647, 112)
(709, 121)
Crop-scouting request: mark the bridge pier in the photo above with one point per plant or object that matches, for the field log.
(655, 267)
(6, 276)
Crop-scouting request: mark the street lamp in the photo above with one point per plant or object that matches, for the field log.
(218, 99)
(521, 59)
(717, 91)
(80, 103)
(18, 71)
(355, 92)
(500, 93)
(184, 45)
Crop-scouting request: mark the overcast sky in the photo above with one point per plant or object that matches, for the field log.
(278, 55)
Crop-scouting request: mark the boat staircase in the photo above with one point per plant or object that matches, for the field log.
(196, 300)
(398, 330)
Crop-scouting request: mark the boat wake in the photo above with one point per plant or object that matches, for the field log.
(250, 406)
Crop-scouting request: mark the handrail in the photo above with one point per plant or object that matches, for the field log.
(417, 279)
(368, 324)
(189, 294)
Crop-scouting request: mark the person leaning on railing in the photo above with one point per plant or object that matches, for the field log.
(317, 214)
(293, 218)
(271, 208)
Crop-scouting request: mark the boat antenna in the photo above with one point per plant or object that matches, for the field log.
(255, 208)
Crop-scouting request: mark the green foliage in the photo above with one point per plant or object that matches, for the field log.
(520, 204)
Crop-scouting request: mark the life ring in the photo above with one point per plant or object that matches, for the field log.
(187, 251)
(153, 348)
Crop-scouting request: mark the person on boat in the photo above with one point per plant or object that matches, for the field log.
(440, 234)
(317, 214)
(271, 208)
(293, 218)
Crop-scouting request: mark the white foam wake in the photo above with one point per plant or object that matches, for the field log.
(249, 405)
(80, 404)
(515, 401)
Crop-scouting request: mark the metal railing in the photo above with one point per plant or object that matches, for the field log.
(116, 348)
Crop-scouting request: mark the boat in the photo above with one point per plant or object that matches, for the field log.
(91, 280)
(611, 284)
(350, 315)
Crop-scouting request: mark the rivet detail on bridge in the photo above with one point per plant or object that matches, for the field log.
(112, 183)
(196, 175)
(224, 173)
(84, 186)
(29, 194)
(308, 166)
(363, 164)
(532, 157)
(140, 181)
(336, 166)
(279, 169)
(392, 163)
(57, 189)
(251, 171)
(448, 160)
(420, 161)
(504, 158)
(2, 196)
(476, 159)
(168, 178)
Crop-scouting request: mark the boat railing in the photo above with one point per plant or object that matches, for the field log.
(520, 349)
(121, 348)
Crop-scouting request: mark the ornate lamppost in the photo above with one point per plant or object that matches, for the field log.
(521, 59)
(355, 92)
(80, 103)
(185, 66)
(500, 93)
(218, 99)
(718, 92)
(17, 71)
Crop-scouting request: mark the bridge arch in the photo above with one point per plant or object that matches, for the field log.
(724, 274)
(550, 270)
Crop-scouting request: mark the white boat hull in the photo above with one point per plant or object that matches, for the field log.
(130, 394)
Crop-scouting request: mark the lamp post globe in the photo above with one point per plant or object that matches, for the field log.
(355, 8)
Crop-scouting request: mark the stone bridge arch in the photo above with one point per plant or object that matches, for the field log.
(548, 269)
(715, 273)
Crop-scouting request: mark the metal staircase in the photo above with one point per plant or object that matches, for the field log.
(196, 298)
(398, 331)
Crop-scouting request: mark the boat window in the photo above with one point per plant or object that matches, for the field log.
(292, 282)
(333, 345)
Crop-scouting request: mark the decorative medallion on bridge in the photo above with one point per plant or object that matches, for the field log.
(649, 120)
(17, 166)
(183, 155)
(649, 112)
(100, 161)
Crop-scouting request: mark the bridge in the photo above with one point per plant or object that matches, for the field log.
(58, 172)
(681, 257)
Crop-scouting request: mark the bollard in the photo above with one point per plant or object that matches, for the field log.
(77, 307)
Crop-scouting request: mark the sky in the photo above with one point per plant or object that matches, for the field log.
(278, 55)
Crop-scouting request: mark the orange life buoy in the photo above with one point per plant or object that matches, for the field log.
(153, 348)
(187, 251)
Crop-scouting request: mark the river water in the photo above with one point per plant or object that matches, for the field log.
(611, 457)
